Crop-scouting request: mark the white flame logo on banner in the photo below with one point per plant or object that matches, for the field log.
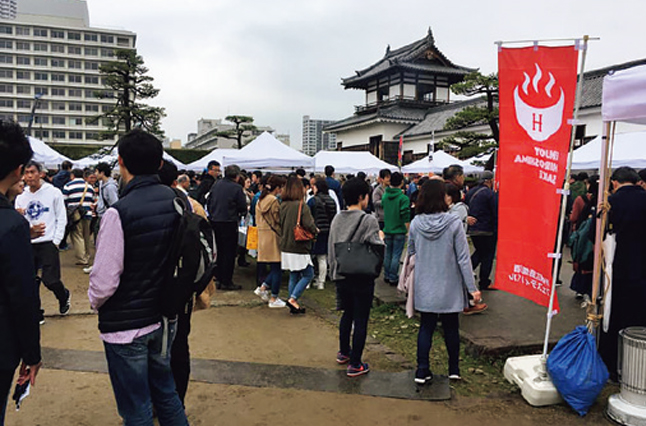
(539, 123)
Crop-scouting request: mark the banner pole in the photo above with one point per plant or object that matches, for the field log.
(566, 188)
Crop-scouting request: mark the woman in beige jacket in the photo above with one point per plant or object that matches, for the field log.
(269, 231)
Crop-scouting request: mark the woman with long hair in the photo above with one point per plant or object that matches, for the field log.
(295, 255)
(443, 276)
(269, 234)
(323, 209)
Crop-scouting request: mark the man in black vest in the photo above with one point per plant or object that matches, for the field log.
(131, 263)
(19, 302)
(226, 204)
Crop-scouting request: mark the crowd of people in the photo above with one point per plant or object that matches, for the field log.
(421, 224)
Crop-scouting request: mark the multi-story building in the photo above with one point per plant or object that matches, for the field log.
(207, 135)
(49, 68)
(314, 140)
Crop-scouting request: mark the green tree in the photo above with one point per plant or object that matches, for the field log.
(472, 143)
(242, 123)
(126, 79)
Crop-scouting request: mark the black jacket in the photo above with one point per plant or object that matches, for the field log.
(203, 188)
(19, 303)
(226, 202)
(323, 209)
(148, 218)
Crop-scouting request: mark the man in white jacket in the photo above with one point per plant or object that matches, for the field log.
(43, 205)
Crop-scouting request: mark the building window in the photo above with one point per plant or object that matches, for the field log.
(23, 75)
(42, 62)
(6, 59)
(89, 94)
(92, 135)
(24, 31)
(41, 90)
(42, 134)
(91, 108)
(94, 123)
(73, 50)
(76, 135)
(107, 39)
(40, 47)
(58, 106)
(58, 134)
(122, 41)
(22, 45)
(91, 51)
(91, 37)
(23, 104)
(5, 29)
(58, 120)
(57, 48)
(6, 88)
(73, 36)
(6, 73)
(26, 90)
(6, 44)
(58, 63)
(58, 91)
(108, 53)
(42, 76)
(76, 121)
(40, 32)
(22, 118)
(58, 77)
(91, 79)
(72, 78)
(106, 108)
(75, 106)
(74, 64)
(58, 34)
(91, 65)
(6, 103)
(39, 119)
(23, 60)
(75, 93)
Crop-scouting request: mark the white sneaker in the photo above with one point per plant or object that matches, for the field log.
(87, 270)
(277, 304)
(320, 286)
(263, 294)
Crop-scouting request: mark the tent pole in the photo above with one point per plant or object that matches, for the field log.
(566, 188)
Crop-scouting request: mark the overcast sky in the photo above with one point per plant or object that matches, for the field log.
(278, 60)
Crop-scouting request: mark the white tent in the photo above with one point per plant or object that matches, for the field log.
(350, 162)
(94, 159)
(624, 96)
(436, 162)
(45, 155)
(268, 152)
(629, 150)
(216, 154)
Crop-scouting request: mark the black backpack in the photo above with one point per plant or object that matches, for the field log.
(192, 260)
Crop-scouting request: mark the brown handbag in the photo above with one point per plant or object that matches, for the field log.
(300, 233)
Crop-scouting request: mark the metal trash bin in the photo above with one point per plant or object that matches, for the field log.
(629, 406)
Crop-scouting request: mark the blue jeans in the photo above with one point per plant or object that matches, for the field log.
(298, 280)
(451, 326)
(394, 248)
(274, 277)
(141, 377)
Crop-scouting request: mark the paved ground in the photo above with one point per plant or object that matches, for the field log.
(257, 366)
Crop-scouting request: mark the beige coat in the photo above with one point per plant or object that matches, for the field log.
(268, 221)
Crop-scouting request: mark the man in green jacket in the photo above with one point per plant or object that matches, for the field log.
(396, 207)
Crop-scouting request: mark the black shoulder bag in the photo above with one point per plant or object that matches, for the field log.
(357, 258)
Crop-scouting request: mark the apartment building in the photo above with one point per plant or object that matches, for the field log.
(314, 140)
(49, 68)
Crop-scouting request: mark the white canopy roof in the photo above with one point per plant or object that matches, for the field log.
(45, 155)
(216, 154)
(350, 162)
(267, 152)
(436, 162)
(624, 96)
(629, 150)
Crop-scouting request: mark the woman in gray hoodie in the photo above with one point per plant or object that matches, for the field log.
(443, 276)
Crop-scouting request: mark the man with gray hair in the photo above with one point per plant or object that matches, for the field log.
(225, 204)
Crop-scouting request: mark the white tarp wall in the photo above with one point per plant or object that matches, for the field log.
(45, 155)
(436, 162)
(216, 154)
(350, 162)
(629, 150)
(624, 96)
(268, 152)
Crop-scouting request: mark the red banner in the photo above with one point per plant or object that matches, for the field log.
(537, 91)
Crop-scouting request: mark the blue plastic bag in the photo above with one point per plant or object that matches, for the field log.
(577, 370)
